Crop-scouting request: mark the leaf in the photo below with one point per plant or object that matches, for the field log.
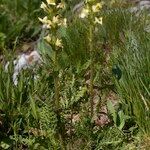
(78, 95)
(85, 66)
(33, 107)
(112, 111)
(4, 145)
(44, 48)
(122, 119)
(62, 32)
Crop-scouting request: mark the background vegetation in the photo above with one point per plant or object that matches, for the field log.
(114, 75)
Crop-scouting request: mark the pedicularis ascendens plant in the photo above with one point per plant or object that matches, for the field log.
(91, 12)
(53, 22)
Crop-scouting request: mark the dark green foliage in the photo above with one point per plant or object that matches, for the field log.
(117, 71)
(110, 138)
(19, 20)
(134, 87)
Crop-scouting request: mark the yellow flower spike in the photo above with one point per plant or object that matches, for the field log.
(48, 38)
(43, 6)
(84, 13)
(58, 43)
(51, 2)
(98, 20)
(97, 7)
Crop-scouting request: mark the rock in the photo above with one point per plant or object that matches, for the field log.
(140, 5)
(24, 61)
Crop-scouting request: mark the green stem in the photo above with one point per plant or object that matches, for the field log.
(60, 125)
(56, 81)
(56, 84)
(91, 67)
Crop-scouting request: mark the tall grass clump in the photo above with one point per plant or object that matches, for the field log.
(133, 60)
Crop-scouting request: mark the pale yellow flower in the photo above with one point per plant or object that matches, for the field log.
(98, 20)
(97, 7)
(58, 43)
(62, 22)
(44, 20)
(48, 38)
(61, 5)
(43, 6)
(47, 23)
(84, 13)
(51, 2)
(55, 19)
(112, 2)
(65, 22)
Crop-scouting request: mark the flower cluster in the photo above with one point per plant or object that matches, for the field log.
(53, 21)
(95, 8)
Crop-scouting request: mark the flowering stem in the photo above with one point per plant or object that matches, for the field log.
(60, 126)
(91, 66)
